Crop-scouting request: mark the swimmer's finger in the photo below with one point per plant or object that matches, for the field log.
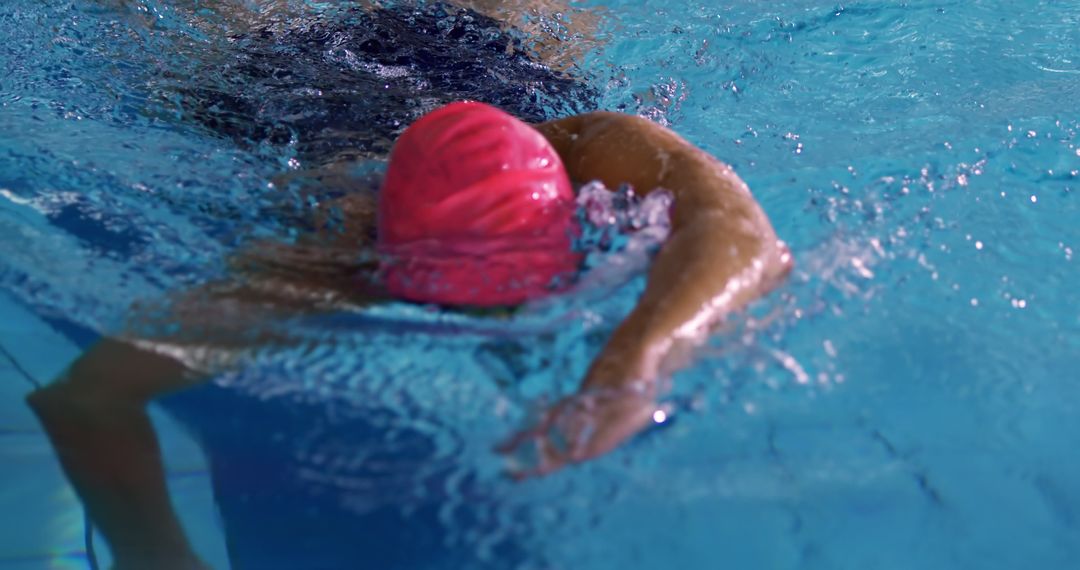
(532, 451)
(525, 452)
(571, 433)
(557, 440)
(549, 459)
(540, 427)
(512, 443)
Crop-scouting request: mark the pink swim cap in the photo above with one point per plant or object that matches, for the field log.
(476, 209)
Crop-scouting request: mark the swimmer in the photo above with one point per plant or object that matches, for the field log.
(721, 253)
(470, 181)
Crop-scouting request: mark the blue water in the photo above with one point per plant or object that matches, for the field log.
(909, 399)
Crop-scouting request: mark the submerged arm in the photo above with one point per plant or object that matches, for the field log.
(721, 254)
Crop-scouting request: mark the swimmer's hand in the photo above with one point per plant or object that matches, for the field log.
(578, 428)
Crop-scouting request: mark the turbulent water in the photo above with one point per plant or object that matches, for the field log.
(908, 399)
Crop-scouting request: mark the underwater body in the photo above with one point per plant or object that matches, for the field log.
(907, 399)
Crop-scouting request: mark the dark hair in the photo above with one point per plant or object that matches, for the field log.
(354, 81)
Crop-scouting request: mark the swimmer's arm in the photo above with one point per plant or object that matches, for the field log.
(721, 254)
(95, 416)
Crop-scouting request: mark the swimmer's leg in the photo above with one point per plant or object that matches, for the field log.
(95, 413)
(95, 416)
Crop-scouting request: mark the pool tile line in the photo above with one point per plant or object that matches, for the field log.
(918, 473)
(19, 368)
(37, 558)
(17, 432)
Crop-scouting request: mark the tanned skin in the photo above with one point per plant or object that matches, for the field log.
(721, 254)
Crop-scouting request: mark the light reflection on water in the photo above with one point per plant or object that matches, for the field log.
(910, 386)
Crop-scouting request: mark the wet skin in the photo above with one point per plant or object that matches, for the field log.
(721, 254)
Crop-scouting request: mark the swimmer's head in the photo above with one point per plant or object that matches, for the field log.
(476, 209)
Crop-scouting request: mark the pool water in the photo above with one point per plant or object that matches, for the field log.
(908, 399)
